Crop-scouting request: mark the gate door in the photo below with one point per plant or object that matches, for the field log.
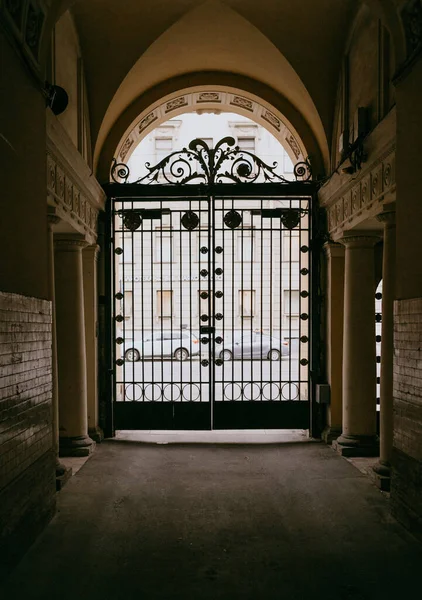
(211, 303)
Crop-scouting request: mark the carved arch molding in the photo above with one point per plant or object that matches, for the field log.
(209, 100)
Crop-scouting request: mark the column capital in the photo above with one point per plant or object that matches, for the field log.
(69, 242)
(52, 217)
(360, 239)
(388, 216)
(91, 252)
(334, 250)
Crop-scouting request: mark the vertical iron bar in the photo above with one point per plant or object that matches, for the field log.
(211, 317)
(171, 308)
(142, 349)
(190, 233)
(110, 332)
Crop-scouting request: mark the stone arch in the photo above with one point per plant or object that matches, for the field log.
(229, 93)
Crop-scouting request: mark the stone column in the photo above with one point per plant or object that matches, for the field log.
(62, 472)
(335, 306)
(71, 351)
(358, 436)
(388, 218)
(90, 259)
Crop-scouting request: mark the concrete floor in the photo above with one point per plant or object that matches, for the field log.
(193, 522)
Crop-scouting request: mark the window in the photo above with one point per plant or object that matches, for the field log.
(163, 147)
(291, 302)
(163, 245)
(247, 303)
(246, 143)
(164, 304)
(245, 245)
(127, 256)
(291, 246)
(128, 305)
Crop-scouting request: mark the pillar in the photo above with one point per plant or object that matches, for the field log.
(71, 350)
(62, 472)
(358, 436)
(335, 304)
(388, 218)
(90, 259)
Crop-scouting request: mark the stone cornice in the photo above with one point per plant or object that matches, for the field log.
(72, 189)
(61, 147)
(350, 200)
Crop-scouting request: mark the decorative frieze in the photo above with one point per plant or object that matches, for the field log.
(72, 189)
(176, 103)
(242, 103)
(357, 198)
(126, 147)
(146, 121)
(209, 97)
(64, 193)
(272, 119)
(290, 139)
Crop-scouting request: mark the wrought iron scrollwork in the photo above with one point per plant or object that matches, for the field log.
(226, 163)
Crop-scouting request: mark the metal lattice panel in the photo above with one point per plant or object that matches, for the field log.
(211, 295)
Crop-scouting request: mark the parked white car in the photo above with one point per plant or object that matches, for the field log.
(253, 345)
(158, 344)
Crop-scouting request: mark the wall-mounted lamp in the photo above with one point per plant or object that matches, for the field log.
(356, 156)
(56, 98)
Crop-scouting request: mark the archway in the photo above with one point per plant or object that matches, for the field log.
(197, 281)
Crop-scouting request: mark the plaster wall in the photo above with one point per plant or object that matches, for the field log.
(23, 223)
(68, 72)
(363, 73)
(409, 184)
(66, 50)
(365, 80)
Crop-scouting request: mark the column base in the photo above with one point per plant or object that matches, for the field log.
(76, 446)
(357, 445)
(63, 474)
(381, 475)
(330, 434)
(96, 434)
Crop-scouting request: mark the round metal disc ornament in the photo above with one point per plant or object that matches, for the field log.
(132, 220)
(190, 220)
(232, 219)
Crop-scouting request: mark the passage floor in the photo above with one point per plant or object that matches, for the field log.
(200, 521)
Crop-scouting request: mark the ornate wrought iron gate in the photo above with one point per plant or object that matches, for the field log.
(211, 293)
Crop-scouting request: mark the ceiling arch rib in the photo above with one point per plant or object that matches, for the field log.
(214, 38)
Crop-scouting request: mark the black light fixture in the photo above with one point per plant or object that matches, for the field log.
(56, 98)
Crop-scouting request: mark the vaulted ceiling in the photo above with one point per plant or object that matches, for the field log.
(295, 48)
